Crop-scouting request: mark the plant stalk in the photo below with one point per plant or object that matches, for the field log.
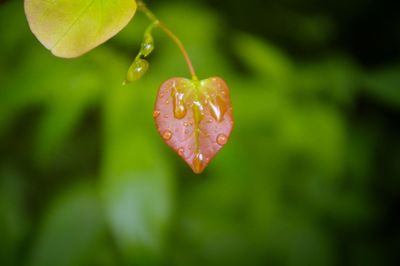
(150, 15)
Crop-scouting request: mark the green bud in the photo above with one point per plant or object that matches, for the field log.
(138, 68)
(147, 45)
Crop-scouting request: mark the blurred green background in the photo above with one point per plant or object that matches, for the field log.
(311, 175)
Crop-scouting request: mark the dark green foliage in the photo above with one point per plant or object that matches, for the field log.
(310, 175)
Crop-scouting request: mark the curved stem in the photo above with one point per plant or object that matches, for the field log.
(142, 7)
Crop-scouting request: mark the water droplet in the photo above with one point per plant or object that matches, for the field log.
(179, 106)
(198, 105)
(187, 131)
(197, 111)
(209, 121)
(166, 102)
(156, 113)
(167, 135)
(166, 116)
(181, 151)
(218, 108)
(185, 124)
(180, 111)
(161, 94)
(198, 163)
(222, 139)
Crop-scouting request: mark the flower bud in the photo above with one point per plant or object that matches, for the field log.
(147, 45)
(138, 68)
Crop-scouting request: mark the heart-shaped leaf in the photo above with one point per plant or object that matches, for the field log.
(70, 28)
(194, 118)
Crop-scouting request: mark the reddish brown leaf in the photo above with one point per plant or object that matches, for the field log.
(194, 118)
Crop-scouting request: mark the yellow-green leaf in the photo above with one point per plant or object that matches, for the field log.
(70, 28)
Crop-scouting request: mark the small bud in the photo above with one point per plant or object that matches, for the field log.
(147, 45)
(138, 68)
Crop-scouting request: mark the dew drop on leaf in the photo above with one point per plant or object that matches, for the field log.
(179, 106)
(198, 163)
(222, 139)
(167, 135)
(156, 113)
(218, 108)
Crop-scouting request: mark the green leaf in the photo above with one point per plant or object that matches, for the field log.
(72, 28)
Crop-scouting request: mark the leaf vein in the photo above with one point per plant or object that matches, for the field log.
(73, 24)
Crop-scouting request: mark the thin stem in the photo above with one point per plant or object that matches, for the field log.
(171, 35)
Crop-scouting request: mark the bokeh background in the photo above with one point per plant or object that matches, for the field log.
(310, 176)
